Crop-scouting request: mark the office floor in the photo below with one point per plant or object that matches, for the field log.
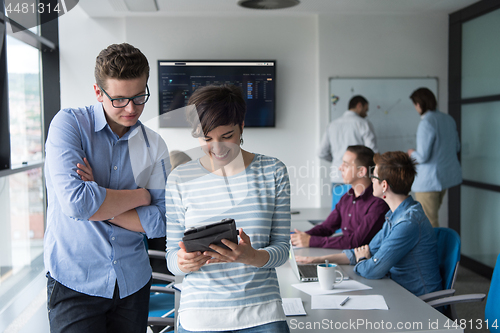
(34, 318)
(469, 282)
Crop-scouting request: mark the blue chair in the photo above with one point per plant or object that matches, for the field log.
(492, 310)
(448, 242)
(448, 249)
(161, 316)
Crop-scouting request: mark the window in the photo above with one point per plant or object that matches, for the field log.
(23, 67)
(29, 97)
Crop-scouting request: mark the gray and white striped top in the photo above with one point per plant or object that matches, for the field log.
(258, 199)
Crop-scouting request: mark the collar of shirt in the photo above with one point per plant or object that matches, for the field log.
(402, 208)
(367, 194)
(100, 122)
(350, 113)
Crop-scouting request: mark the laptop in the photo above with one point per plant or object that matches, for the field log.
(304, 272)
(307, 272)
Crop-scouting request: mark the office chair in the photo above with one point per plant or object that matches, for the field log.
(448, 242)
(161, 317)
(492, 310)
(448, 249)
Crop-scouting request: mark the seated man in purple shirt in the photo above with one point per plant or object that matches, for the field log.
(358, 214)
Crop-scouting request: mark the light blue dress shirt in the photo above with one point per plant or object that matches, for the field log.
(436, 153)
(90, 256)
(405, 250)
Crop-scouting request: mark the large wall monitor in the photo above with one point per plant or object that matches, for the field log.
(179, 79)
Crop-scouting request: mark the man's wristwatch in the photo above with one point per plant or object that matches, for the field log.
(361, 259)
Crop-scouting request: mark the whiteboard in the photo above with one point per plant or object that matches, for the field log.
(391, 110)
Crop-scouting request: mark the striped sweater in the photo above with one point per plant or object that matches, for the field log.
(258, 199)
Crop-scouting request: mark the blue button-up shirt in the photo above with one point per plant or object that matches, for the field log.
(91, 256)
(438, 167)
(405, 250)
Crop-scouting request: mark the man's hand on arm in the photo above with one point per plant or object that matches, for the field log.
(300, 239)
(119, 205)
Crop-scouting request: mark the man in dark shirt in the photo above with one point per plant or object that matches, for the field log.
(359, 215)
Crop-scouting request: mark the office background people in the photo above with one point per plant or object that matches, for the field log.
(350, 129)
(438, 167)
(233, 289)
(104, 194)
(359, 215)
(406, 247)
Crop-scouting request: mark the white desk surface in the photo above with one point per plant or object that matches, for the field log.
(405, 309)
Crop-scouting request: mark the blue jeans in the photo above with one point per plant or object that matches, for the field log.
(275, 327)
(71, 311)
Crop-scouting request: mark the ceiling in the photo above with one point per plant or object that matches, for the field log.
(122, 8)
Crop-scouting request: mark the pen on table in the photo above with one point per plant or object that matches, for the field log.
(344, 301)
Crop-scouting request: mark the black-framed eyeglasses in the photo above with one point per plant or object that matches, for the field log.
(123, 101)
(375, 177)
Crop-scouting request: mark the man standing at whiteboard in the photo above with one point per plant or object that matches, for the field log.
(350, 129)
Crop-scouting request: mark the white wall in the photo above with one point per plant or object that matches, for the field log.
(308, 49)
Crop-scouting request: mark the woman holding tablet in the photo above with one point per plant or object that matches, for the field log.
(232, 289)
(406, 247)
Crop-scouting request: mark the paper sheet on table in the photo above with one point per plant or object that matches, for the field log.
(313, 288)
(293, 307)
(356, 302)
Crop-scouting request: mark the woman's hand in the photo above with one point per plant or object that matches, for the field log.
(190, 261)
(362, 251)
(85, 171)
(242, 252)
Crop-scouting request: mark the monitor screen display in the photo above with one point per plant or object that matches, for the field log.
(179, 79)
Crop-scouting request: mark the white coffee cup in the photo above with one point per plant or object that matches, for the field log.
(327, 276)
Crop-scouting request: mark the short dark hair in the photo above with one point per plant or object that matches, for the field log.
(425, 98)
(216, 105)
(398, 169)
(364, 156)
(355, 100)
(122, 62)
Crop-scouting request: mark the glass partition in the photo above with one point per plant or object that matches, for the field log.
(480, 213)
(480, 50)
(480, 138)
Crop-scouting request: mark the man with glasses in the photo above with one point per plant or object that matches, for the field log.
(358, 216)
(105, 175)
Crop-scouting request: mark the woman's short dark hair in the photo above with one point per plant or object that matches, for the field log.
(398, 169)
(216, 105)
(425, 98)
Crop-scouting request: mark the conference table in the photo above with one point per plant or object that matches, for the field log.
(407, 313)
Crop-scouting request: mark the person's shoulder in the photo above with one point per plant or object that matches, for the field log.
(267, 160)
(414, 213)
(268, 163)
(73, 116)
(186, 172)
